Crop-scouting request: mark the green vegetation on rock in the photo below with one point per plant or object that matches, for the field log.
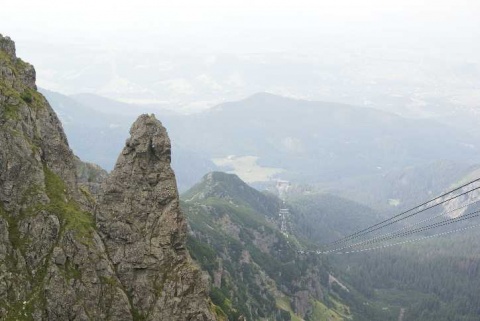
(75, 219)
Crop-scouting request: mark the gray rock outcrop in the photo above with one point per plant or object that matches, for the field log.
(145, 232)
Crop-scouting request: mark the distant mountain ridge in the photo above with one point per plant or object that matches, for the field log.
(265, 137)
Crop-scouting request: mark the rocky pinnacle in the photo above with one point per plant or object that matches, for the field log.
(145, 232)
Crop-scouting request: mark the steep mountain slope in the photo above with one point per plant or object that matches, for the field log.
(258, 273)
(52, 259)
(55, 263)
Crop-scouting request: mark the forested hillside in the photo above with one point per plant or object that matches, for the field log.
(258, 273)
(437, 280)
(429, 279)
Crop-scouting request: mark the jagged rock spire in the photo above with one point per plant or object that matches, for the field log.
(145, 232)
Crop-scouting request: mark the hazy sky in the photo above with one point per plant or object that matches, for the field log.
(248, 25)
(344, 46)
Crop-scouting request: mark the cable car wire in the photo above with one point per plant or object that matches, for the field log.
(410, 241)
(421, 229)
(403, 228)
(398, 218)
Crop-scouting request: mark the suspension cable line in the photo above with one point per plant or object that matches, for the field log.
(418, 230)
(398, 217)
(383, 236)
(410, 241)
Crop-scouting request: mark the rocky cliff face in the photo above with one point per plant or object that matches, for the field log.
(90, 176)
(59, 262)
(145, 232)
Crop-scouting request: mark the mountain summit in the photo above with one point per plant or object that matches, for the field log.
(231, 188)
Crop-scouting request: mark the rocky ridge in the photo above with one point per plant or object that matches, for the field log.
(65, 255)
